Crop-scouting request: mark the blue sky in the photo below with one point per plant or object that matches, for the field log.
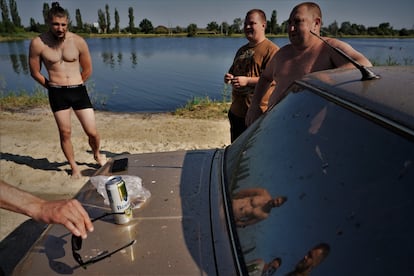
(172, 13)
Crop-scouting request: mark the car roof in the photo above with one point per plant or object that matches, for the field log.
(388, 99)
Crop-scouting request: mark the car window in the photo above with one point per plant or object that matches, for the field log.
(315, 186)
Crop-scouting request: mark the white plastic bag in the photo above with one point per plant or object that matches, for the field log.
(136, 193)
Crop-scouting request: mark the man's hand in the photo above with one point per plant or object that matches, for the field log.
(69, 213)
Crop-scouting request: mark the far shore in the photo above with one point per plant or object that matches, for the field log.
(30, 35)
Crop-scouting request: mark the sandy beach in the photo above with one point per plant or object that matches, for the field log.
(32, 160)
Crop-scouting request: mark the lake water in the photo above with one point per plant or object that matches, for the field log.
(161, 74)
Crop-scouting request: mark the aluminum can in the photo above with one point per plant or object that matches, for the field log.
(118, 199)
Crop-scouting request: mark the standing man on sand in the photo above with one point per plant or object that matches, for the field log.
(306, 53)
(249, 62)
(68, 63)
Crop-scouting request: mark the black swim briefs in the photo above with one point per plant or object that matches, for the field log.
(64, 97)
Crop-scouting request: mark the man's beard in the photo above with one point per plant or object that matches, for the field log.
(59, 36)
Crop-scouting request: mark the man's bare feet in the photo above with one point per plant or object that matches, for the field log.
(76, 174)
(100, 159)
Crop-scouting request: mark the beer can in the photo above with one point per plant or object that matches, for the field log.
(118, 199)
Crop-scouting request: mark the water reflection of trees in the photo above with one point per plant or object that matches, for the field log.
(18, 58)
(114, 54)
(134, 59)
(20, 63)
(110, 59)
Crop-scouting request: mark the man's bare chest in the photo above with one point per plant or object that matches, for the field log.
(59, 55)
(298, 66)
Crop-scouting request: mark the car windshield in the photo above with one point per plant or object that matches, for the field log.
(314, 179)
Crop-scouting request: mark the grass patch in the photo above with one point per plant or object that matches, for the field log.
(203, 108)
(17, 36)
(21, 101)
(391, 61)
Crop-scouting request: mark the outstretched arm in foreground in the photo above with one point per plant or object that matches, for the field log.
(69, 213)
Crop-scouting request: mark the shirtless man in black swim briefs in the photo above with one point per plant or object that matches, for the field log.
(63, 53)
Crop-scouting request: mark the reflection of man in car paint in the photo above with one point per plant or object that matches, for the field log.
(253, 205)
(258, 267)
(314, 257)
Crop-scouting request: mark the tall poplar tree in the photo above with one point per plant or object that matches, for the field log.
(131, 20)
(273, 28)
(46, 9)
(102, 21)
(108, 19)
(79, 22)
(4, 11)
(116, 28)
(6, 25)
(15, 14)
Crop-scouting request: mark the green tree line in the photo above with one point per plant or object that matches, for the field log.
(11, 23)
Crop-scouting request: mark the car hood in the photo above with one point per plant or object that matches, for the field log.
(387, 99)
(172, 229)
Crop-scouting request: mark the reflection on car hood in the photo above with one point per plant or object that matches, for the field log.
(172, 230)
